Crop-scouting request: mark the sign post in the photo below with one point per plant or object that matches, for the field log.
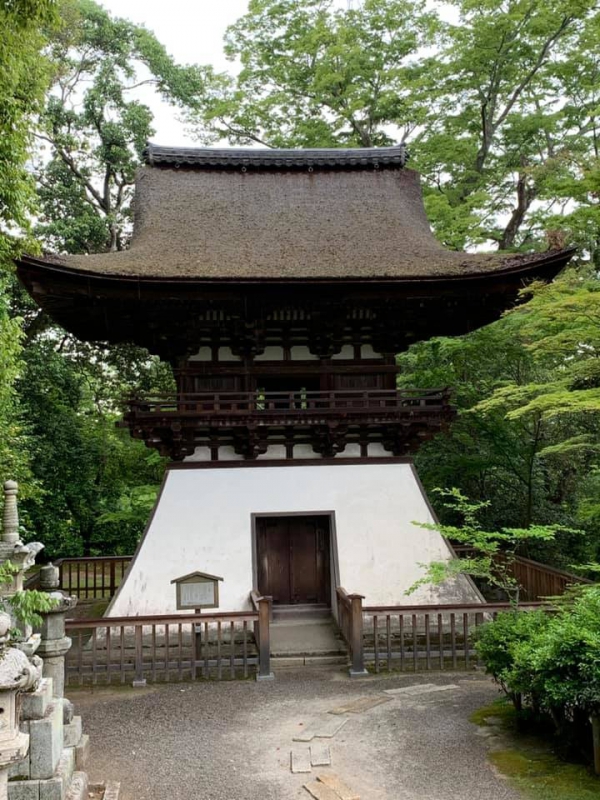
(196, 591)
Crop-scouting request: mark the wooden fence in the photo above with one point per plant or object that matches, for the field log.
(413, 638)
(169, 647)
(95, 578)
(537, 580)
(88, 578)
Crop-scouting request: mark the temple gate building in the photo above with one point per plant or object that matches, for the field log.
(280, 284)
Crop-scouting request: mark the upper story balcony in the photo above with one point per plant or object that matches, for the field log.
(328, 420)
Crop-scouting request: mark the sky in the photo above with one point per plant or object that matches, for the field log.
(192, 31)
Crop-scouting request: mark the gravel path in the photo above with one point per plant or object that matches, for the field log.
(232, 741)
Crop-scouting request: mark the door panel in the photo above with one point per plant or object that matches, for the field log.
(273, 559)
(303, 561)
(293, 559)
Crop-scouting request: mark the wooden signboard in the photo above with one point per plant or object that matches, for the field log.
(197, 590)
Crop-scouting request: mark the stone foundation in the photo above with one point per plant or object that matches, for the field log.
(58, 750)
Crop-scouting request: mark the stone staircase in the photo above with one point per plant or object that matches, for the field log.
(305, 635)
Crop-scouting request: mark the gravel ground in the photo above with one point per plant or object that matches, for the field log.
(232, 741)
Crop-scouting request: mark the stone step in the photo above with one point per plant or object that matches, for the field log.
(78, 790)
(303, 610)
(105, 791)
(287, 660)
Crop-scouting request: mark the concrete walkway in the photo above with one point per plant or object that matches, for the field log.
(232, 741)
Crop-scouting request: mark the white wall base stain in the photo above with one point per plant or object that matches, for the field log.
(203, 521)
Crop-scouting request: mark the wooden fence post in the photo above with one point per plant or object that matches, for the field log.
(112, 588)
(264, 640)
(139, 681)
(356, 636)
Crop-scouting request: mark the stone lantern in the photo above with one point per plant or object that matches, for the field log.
(17, 674)
(55, 644)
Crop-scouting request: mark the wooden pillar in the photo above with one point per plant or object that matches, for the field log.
(356, 636)
(264, 640)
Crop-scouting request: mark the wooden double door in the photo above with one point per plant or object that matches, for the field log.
(293, 563)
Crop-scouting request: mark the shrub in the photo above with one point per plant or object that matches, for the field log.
(499, 642)
(550, 660)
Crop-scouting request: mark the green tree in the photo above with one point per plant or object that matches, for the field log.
(503, 134)
(491, 553)
(23, 80)
(526, 434)
(84, 466)
(315, 76)
(95, 129)
(95, 485)
(498, 107)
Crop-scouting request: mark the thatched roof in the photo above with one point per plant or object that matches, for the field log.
(229, 214)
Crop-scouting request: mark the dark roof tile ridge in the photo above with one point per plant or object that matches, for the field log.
(326, 157)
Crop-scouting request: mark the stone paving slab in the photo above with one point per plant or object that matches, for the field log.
(334, 782)
(325, 728)
(423, 688)
(360, 705)
(320, 791)
(300, 760)
(320, 755)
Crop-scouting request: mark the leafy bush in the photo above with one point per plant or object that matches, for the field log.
(500, 642)
(550, 660)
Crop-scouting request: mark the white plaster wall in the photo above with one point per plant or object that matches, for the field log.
(271, 353)
(347, 352)
(203, 354)
(350, 451)
(203, 522)
(274, 451)
(300, 352)
(366, 351)
(225, 354)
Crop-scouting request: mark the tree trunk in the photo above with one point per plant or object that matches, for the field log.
(596, 734)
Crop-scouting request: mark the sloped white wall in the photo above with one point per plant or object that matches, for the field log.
(203, 522)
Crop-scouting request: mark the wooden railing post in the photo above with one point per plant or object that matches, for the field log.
(112, 582)
(264, 640)
(356, 636)
(139, 681)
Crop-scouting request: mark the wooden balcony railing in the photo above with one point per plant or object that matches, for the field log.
(409, 402)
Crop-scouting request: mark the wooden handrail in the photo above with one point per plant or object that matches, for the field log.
(562, 573)
(75, 559)
(312, 392)
(449, 607)
(461, 548)
(536, 580)
(161, 619)
(295, 401)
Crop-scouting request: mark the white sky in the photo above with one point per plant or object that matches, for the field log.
(192, 31)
